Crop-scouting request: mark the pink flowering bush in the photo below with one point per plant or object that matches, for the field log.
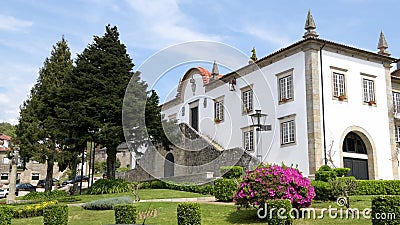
(271, 182)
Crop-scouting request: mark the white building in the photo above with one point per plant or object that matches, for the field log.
(326, 102)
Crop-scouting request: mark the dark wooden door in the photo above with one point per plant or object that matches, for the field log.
(194, 121)
(358, 168)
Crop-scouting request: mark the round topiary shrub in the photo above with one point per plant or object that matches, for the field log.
(270, 182)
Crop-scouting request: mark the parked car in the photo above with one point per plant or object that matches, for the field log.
(25, 187)
(76, 179)
(3, 193)
(84, 179)
(65, 182)
(42, 183)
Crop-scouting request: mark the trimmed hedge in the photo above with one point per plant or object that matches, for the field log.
(323, 190)
(125, 214)
(275, 215)
(32, 210)
(188, 213)
(6, 214)
(378, 187)
(45, 196)
(385, 210)
(325, 176)
(107, 204)
(109, 186)
(341, 172)
(55, 215)
(231, 172)
(224, 189)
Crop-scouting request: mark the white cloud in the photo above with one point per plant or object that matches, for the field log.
(12, 23)
(162, 23)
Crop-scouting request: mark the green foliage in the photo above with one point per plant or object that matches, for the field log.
(224, 189)
(385, 210)
(125, 214)
(6, 214)
(325, 176)
(231, 172)
(341, 172)
(45, 196)
(189, 213)
(40, 126)
(343, 186)
(325, 168)
(323, 190)
(32, 210)
(189, 187)
(55, 215)
(325, 173)
(378, 187)
(109, 186)
(8, 129)
(158, 184)
(107, 204)
(275, 217)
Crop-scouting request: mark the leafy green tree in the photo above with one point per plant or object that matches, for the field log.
(156, 125)
(7, 129)
(38, 131)
(100, 78)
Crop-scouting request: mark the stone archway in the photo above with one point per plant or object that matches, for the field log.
(169, 168)
(358, 153)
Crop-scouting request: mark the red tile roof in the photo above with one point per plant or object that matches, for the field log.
(5, 137)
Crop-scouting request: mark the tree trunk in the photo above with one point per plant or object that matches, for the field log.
(49, 174)
(111, 159)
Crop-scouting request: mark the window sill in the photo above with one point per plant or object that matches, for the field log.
(281, 102)
(288, 144)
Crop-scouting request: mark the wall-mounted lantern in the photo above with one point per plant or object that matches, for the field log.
(232, 84)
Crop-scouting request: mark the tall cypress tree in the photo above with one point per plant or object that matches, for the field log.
(100, 79)
(38, 131)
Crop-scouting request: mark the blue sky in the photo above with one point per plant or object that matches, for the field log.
(29, 29)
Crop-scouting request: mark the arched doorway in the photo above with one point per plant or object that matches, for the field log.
(169, 165)
(355, 156)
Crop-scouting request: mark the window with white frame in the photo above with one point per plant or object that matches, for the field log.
(397, 133)
(219, 110)
(288, 130)
(396, 101)
(35, 176)
(338, 85)
(285, 88)
(247, 99)
(369, 90)
(248, 140)
(4, 176)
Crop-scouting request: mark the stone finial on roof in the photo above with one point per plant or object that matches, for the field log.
(214, 71)
(382, 45)
(253, 57)
(310, 27)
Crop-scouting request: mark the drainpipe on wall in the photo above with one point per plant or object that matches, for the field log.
(323, 103)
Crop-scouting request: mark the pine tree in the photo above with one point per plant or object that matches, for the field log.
(38, 131)
(100, 79)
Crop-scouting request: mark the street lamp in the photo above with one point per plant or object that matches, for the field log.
(258, 120)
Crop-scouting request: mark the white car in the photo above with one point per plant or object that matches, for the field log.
(3, 193)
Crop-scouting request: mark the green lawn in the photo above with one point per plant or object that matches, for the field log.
(211, 213)
(144, 194)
